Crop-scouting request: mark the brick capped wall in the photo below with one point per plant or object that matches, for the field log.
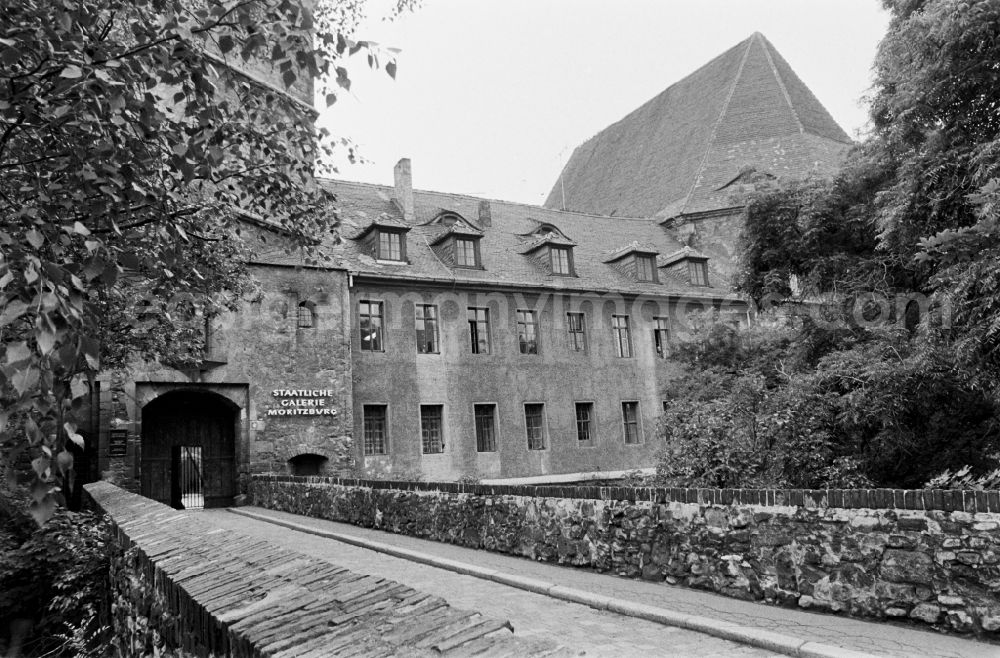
(931, 557)
(181, 588)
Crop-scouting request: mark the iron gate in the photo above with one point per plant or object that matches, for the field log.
(189, 488)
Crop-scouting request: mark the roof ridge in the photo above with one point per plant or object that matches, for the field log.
(781, 83)
(718, 121)
(629, 218)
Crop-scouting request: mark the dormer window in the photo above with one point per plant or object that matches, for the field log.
(688, 265)
(390, 246)
(645, 268)
(466, 252)
(550, 249)
(698, 272)
(457, 243)
(561, 260)
(636, 261)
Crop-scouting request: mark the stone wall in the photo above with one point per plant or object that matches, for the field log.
(259, 349)
(926, 556)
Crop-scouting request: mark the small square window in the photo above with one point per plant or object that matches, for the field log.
(630, 419)
(432, 428)
(584, 420)
(465, 253)
(306, 315)
(645, 268)
(374, 429)
(698, 272)
(370, 320)
(577, 332)
(486, 440)
(561, 262)
(390, 246)
(527, 332)
(426, 322)
(534, 425)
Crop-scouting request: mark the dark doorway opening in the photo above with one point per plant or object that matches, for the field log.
(189, 450)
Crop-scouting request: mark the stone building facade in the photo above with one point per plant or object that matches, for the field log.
(445, 336)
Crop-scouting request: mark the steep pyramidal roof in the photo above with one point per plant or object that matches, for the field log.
(680, 152)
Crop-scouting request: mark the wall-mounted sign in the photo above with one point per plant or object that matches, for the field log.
(117, 443)
(301, 402)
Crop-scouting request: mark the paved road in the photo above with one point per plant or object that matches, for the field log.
(566, 629)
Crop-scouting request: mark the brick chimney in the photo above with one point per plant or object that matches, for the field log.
(485, 213)
(403, 177)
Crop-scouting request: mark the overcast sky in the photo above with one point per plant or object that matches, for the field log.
(492, 96)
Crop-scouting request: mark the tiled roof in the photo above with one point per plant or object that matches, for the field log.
(676, 153)
(686, 252)
(501, 246)
(382, 221)
(631, 247)
(458, 230)
(531, 243)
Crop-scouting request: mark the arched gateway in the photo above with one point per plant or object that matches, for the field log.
(189, 449)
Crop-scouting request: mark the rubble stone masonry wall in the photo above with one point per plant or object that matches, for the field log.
(931, 557)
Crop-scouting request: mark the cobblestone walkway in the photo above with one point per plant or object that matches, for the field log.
(543, 625)
(878, 638)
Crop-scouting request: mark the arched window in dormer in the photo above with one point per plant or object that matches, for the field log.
(448, 219)
(306, 315)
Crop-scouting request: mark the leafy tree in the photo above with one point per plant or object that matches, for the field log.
(914, 208)
(823, 407)
(136, 142)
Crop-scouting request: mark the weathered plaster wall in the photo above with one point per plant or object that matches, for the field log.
(556, 376)
(938, 567)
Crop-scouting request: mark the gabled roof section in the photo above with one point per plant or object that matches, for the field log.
(461, 229)
(631, 248)
(675, 154)
(382, 221)
(681, 254)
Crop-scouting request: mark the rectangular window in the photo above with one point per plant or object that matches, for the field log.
(645, 268)
(374, 421)
(630, 419)
(479, 330)
(661, 333)
(465, 252)
(577, 334)
(698, 272)
(390, 245)
(560, 260)
(432, 428)
(534, 424)
(584, 418)
(527, 332)
(427, 328)
(371, 326)
(486, 440)
(622, 336)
